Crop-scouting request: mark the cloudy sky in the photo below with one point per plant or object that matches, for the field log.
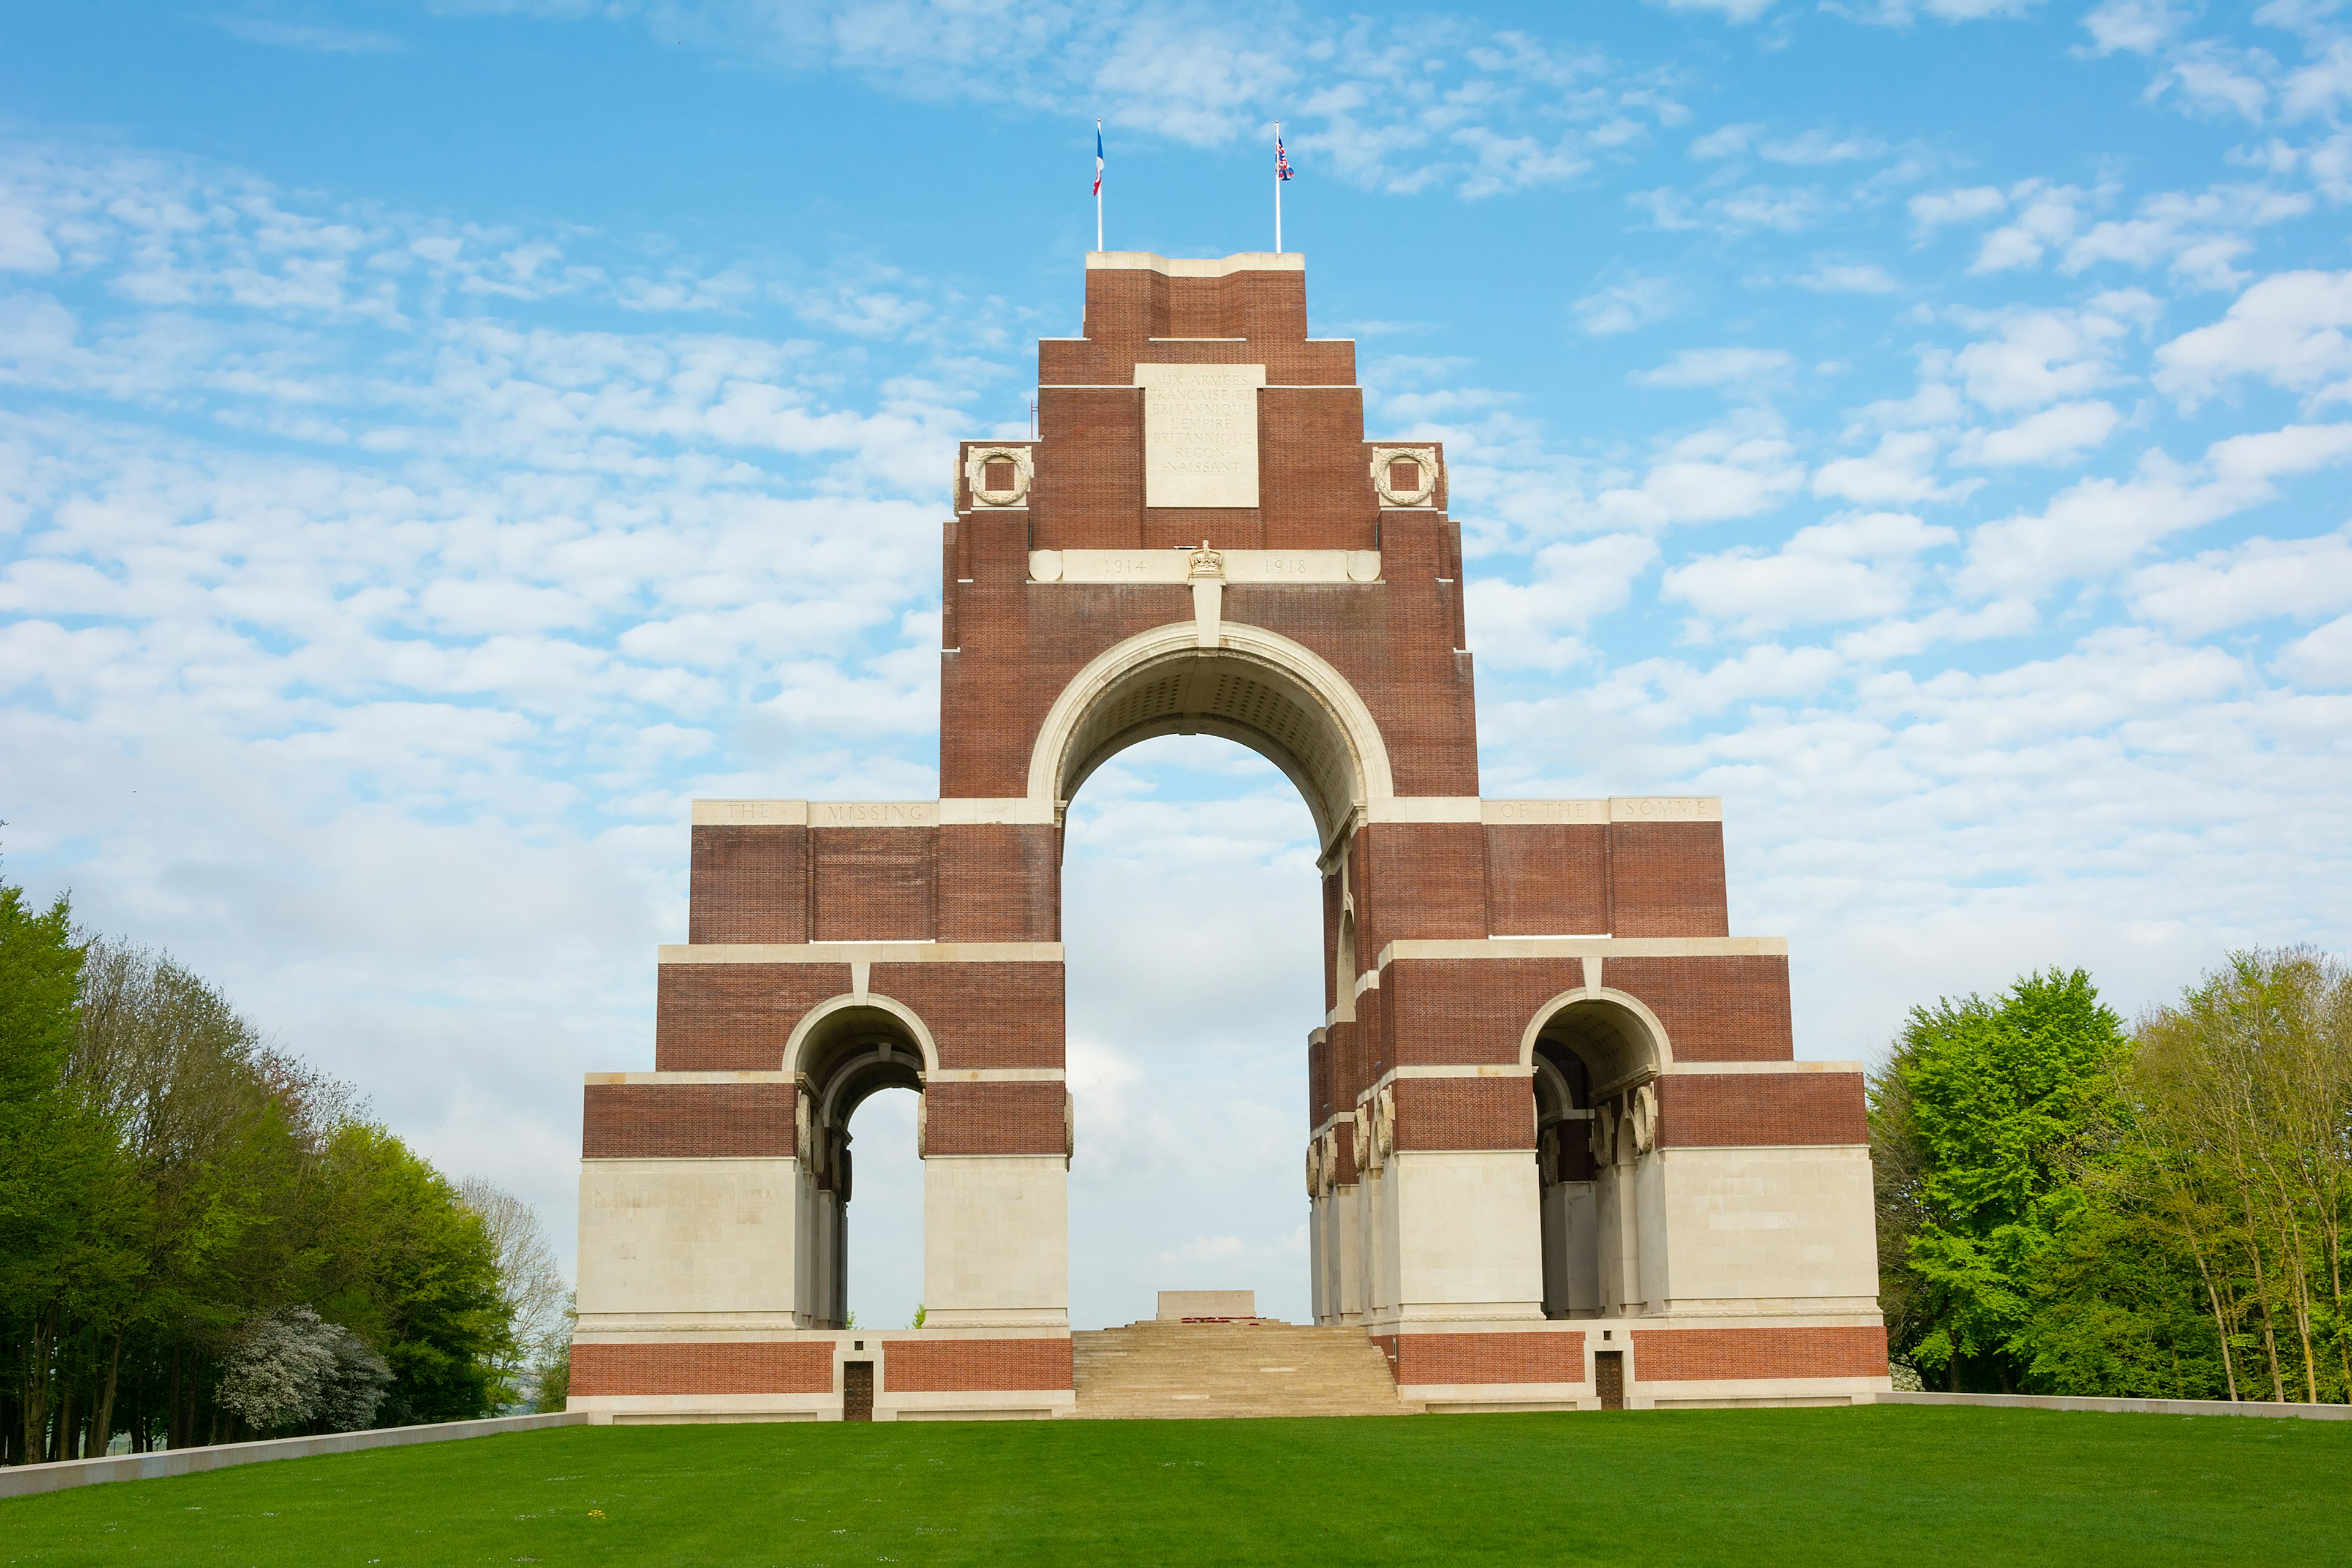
(437, 441)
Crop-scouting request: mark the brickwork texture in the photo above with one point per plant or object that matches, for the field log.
(702, 1367)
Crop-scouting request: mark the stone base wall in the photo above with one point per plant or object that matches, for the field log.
(919, 1373)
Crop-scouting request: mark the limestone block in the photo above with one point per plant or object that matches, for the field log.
(1766, 1224)
(1469, 1231)
(686, 1235)
(996, 1240)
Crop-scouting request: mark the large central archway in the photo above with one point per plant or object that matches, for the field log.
(1254, 686)
(1191, 936)
(1280, 701)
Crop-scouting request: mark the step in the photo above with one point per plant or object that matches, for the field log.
(1232, 1368)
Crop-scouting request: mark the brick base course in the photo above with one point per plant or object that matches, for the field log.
(977, 1366)
(1422, 1359)
(1706, 1355)
(705, 1367)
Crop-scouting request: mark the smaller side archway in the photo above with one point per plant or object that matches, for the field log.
(1594, 1056)
(845, 1051)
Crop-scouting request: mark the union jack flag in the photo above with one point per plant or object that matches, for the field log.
(1098, 157)
(1281, 160)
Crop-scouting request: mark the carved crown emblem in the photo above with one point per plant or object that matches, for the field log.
(1205, 562)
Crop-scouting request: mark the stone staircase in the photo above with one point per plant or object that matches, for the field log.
(1250, 1367)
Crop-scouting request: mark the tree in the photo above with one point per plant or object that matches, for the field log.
(2246, 1087)
(2075, 1212)
(1992, 1101)
(291, 1370)
(407, 1264)
(201, 1236)
(552, 1361)
(70, 1218)
(531, 1289)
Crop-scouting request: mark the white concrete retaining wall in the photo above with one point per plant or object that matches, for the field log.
(2117, 1406)
(23, 1480)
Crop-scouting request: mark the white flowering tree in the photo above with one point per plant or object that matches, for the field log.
(292, 1369)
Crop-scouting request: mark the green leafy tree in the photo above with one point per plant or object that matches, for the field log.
(71, 1219)
(1998, 1101)
(169, 1182)
(415, 1272)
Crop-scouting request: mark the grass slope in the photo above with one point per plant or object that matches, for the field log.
(1877, 1484)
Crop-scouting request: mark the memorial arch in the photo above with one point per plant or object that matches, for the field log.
(1554, 1113)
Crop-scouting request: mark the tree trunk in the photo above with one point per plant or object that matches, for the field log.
(2261, 1289)
(101, 1429)
(2290, 1253)
(2332, 1231)
(2220, 1329)
(61, 1420)
(2303, 1318)
(36, 1386)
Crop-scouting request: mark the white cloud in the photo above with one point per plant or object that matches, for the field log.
(1849, 277)
(1812, 147)
(2046, 215)
(1476, 111)
(1537, 624)
(2133, 27)
(1933, 209)
(23, 246)
(2062, 434)
(1621, 307)
(2318, 89)
(1732, 472)
(1778, 208)
(1730, 10)
(1900, 471)
(2212, 79)
(1725, 142)
(308, 38)
(2042, 356)
(2202, 236)
(2290, 328)
(1726, 367)
(1904, 12)
(2100, 525)
(2251, 582)
(1854, 568)
(2323, 658)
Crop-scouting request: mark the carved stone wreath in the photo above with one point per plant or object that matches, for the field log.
(1424, 457)
(975, 474)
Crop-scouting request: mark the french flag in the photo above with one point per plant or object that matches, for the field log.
(1098, 157)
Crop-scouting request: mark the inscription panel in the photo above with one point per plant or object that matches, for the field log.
(1541, 813)
(1665, 808)
(1175, 565)
(750, 813)
(874, 813)
(1200, 433)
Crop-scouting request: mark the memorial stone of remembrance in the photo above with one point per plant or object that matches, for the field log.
(1558, 1150)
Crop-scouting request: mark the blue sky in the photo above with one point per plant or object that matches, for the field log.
(437, 441)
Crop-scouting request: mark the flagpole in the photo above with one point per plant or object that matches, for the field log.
(1277, 191)
(1099, 243)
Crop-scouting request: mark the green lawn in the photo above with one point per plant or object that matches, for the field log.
(1877, 1484)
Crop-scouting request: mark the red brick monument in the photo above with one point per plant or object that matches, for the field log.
(1557, 1152)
